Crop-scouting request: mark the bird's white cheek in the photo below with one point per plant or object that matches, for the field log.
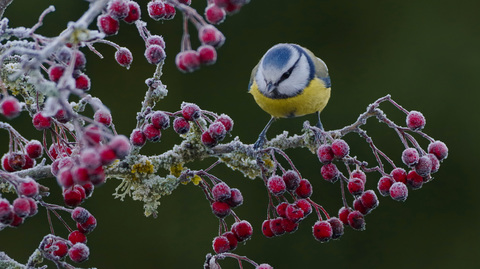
(260, 82)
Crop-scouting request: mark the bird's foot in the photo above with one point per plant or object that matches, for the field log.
(260, 142)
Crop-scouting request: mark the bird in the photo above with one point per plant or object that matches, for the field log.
(289, 81)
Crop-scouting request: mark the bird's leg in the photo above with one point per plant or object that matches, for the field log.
(319, 123)
(262, 138)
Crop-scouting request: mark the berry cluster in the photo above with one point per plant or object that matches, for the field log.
(22, 207)
(25, 155)
(56, 249)
(126, 10)
(217, 10)
(66, 57)
(152, 129)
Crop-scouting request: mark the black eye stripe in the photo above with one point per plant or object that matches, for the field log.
(289, 71)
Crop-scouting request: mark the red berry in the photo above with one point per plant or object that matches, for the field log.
(10, 107)
(207, 54)
(29, 163)
(340, 148)
(343, 214)
(217, 131)
(155, 40)
(80, 215)
(215, 14)
(121, 145)
(399, 191)
(155, 54)
(77, 237)
(41, 122)
(137, 138)
(291, 179)
(415, 120)
(5, 165)
(289, 226)
(208, 140)
(276, 226)
(305, 206)
(359, 174)
(92, 134)
(410, 156)
(65, 178)
(236, 198)
(80, 60)
(181, 126)
(188, 61)
(80, 175)
(243, 230)
(6, 212)
(156, 10)
(103, 116)
(276, 185)
(61, 249)
(399, 175)
(325, 153)
(232, 8)
(21, 207)
(221, 3)
(424, 166)
(282, 209)
(160, 120)
(337, 227)
(356, 186)
(221, 192)
(190, 112)
(221, 244)
(16, 160)
(17, 221)
(107, 24)
(226, 121)
(266, 230)
(90, 158)
(435, 163)
(322, 231)
(33, 207)
(384, 185)
(78, 252)
(88, 225)
(124, 57)
(414, 180)
(81, 190)
(55, 72)
(369, 199)
(62, 116)
(134, 12)
(439, 149)
(330, 172)
(169, 11)
(28, 187)
(107, 155)
(185, 2)
(264, 266)
(209, 35)
(304, 189)
(34, 149)
(220, 209)
(72, 197)
(356, 220)
(118, 9)
(294, 213)
(358, 205)
(88, 187)
(97, 176)
(151, 133)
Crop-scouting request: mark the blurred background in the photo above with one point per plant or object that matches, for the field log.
(424, 53)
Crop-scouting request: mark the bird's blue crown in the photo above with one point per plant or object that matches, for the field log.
(277, 57)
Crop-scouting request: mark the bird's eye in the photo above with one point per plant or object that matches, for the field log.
(286, 75)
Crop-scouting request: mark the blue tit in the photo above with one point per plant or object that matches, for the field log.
(289, 81)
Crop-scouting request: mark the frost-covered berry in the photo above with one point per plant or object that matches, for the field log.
(337, 227)
(439, 149)
(107, 24)
(29, 163)
(289, 226)
(5, 165)
(266, 230)
(10, 107)
(359, 174)
(424, 166)
(155, 40)
(220, 209)
(232, 240)
(65, 178)
(304, 189)
(160, 120)
(151, 133)
(21, 207)
(124, 57)
(276, 226)
(276, 185)
(155, 54)
(77, 237)
(61, 249)
(80, 215)
(207, 54)
(399, 175)
(399, 191)
(264, 266)
(358, 205)
(103, 116)
(414, 180)
(356, 220)
(188, 61)
(281, 209)
(191, 112)
(92, 134)
(226, 121)
(243, 230)
(88, 225)
(209, 35)
(17, 221)
(16, 160)
(215, 14)
(294, 213)
(55, 72)
(34, 149)
(217, 131)
(322, 231)
(181, 126)
(121, 145)
(97, 176)
(118, 9)
(156, 10)
(325, 153)
(78, 252)
(41, 122)
(72, 197)
(291, 179)
(221, 244)
(343, 214)
(208, 140)
(82, 82)
(415, 120)
(222, 3)
(369, 200)
(62, 116)
(28, 187)
(384, 185)
(169, 11)
(185, 2)
(90, 158)
(137, 138)
(134, 12)
(305, 206)
(410, 156)
(435, 163)
(80, 60)
(221, 192)
(330, 172)
(236, 198)
(33, 207)
(6, 212)
(355, 186)
(340, 148)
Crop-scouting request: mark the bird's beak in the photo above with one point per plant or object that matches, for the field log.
(270, 87)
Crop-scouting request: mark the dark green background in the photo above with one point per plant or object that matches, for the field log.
(424, 53)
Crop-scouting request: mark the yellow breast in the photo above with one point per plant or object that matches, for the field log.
(313, 98)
